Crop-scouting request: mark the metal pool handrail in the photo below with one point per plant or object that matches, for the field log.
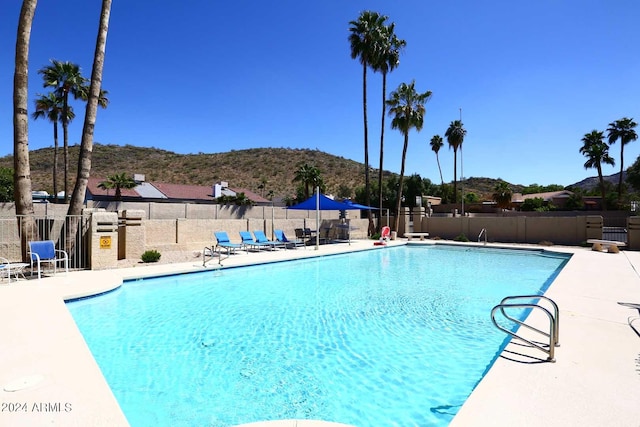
(554, 321)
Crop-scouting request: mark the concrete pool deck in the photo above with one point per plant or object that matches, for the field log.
(48, 375)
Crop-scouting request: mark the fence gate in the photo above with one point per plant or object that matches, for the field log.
(47, 228)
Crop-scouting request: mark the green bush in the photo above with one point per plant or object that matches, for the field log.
(461, 238)
(151, 256)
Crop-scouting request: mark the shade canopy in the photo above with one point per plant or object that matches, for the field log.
(326, 204)
(353, 205)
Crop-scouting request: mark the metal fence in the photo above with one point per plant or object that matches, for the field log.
(618, 234)
(46, 228)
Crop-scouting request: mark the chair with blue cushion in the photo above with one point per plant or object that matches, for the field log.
(282, 238)
(45, 252)
(222, 241)
(249, 242)
(261, 238)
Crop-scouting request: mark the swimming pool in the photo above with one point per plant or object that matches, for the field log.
(398, 336)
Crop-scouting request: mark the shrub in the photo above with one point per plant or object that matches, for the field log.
(151, 256)
(461, 238)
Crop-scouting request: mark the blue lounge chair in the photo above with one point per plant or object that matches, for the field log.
(249, 242)
(261, 238)
(222, 241)
(280, 237)
(45, 252)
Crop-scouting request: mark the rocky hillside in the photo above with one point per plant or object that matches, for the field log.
(241, 168)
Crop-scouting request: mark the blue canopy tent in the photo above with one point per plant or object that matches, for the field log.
(354, 205)
(320, 202)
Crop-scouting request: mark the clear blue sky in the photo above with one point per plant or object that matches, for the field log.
(200, 76)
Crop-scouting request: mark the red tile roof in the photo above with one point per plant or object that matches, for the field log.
(92, 187)
(185, 192)
(172, 191)
(251, 195)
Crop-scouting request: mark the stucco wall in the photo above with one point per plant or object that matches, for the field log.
(558, 230)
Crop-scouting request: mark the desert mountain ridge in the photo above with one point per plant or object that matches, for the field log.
(248, 169)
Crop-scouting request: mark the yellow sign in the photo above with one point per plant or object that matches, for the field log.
(105, 242)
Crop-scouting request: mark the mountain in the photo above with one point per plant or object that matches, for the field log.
(591, 183)
(240, 168)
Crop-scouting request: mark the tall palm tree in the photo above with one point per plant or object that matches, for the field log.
(624, 130)
(118, 181)
(65, 78)
(367, 34)
(50, 106)
(597, 152)
(502, 195)
(455, 137)
(21, 169)
(387, 61)
(406, 106)
(262, 186)
(308, 176)
(436, 144)
(86, 143)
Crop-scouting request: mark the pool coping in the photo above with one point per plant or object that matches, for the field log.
(590, 384)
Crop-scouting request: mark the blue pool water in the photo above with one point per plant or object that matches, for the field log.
(391, 337)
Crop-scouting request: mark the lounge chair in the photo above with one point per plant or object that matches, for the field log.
(45, 252)
(280, 237)
(249, 242)
(9, 269)
(222, 241)
(261, 238)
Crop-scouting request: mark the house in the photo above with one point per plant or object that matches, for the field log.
(557, 198)
(166, 192)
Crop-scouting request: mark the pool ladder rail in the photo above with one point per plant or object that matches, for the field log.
(511, 302)
(483, 232)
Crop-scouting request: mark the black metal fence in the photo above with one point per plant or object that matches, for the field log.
(47, 228)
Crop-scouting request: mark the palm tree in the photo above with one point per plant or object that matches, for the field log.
(388, 60)
(502, 195)
(597, 152)
(21, 169)
(50, 106)
(118, 181)
(262, 186)
(455, 136)
(436, 144)
(308, 176)
(624, 130)
(86, 144)
(406, 106)
(65, 78)
(367, 34)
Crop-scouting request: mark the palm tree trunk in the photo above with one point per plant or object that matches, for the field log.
(65, 142)
(455, 174)
(621, 170)
(399, 202)
(384, 108)
(602, 189)
(55, 162)
(86, 144)
(366, 147)
(22, 171)
(440, 169)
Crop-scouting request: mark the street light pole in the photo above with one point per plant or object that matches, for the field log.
(461, 169)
